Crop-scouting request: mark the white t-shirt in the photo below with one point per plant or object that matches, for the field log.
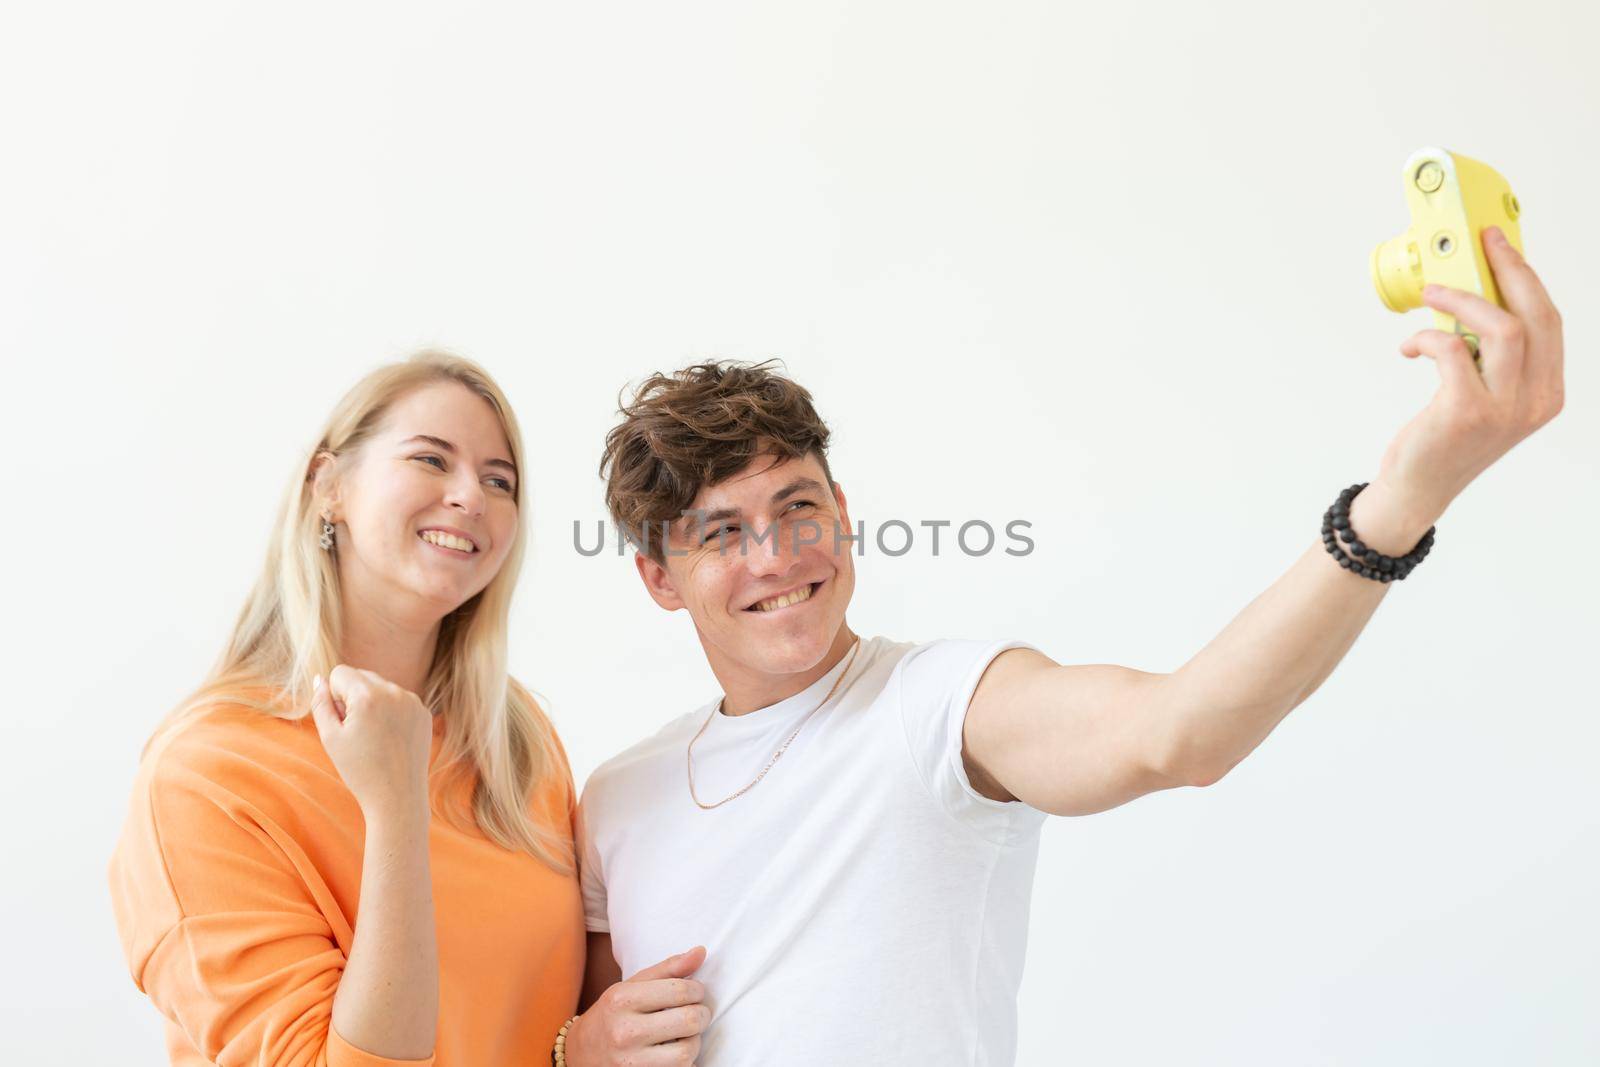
(862, 904)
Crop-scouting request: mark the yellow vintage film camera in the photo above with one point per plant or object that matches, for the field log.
(1452, 198)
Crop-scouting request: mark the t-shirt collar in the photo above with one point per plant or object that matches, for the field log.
(791, 706)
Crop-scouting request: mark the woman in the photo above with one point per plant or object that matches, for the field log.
(360, 749)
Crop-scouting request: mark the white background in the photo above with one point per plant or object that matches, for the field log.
(1104, 269)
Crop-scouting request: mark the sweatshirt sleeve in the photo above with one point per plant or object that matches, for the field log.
(224, 921)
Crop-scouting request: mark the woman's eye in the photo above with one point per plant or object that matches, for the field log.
(500, 483)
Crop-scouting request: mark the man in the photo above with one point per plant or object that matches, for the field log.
(850, 831)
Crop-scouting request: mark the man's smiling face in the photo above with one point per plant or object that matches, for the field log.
(758, 567)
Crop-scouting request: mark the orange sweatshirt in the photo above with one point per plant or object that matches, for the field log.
(235, 885)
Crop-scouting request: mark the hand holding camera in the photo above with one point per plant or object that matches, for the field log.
(1497, 340)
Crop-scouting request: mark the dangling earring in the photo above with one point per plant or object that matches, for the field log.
(326, 540)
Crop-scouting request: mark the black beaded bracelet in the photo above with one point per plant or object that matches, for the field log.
(1369, 563)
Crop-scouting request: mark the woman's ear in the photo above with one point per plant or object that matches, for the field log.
(324, 485)
(657, 582)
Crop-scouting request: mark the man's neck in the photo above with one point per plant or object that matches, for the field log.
(745, 691)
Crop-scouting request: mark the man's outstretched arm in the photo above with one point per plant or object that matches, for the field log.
(1073, 740)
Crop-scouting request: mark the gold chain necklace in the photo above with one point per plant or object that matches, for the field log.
(781, 748)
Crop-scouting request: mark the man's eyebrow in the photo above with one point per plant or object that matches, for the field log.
(446, 446)
(700, 520)
(799, 485)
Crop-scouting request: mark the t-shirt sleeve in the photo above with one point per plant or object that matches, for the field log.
(936, 683)
(219, 927)
(591, 873)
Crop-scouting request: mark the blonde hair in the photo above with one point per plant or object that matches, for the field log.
(289, 629)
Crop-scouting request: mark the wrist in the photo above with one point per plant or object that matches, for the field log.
(1391, 520)
(575, 1051)
(397, 817)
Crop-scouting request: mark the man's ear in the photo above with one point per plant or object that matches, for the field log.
(657, 582)
(844, 506)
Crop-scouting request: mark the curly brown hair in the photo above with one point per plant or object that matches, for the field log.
(697, 427)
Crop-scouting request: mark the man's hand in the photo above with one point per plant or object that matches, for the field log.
(653, 1019)
(1475, 419)
(1079, 739)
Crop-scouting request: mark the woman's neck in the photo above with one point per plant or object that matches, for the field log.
(388, 644)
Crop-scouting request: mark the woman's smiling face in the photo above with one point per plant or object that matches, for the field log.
(427, 508)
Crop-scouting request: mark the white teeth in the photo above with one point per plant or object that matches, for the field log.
(439, 537)
(803, 593)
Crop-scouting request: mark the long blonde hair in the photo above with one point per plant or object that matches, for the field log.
(289, 629)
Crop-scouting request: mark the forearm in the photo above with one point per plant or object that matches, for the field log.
(600, 971)
(1231, 695)
(388, 998)
(600, 974)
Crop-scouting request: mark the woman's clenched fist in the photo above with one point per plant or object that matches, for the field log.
(378, 736)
